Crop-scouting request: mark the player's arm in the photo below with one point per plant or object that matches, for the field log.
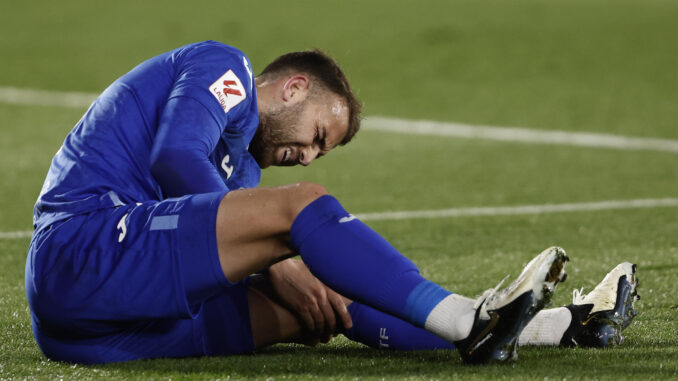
(196, 115)
(187, 134)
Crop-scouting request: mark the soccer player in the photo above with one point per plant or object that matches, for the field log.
(149, 226)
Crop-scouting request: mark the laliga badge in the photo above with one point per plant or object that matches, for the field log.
(228, 90)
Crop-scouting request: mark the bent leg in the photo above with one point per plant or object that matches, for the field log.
(253, 226)
(258, 227)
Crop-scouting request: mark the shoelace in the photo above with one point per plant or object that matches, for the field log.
(489, 294)
(577, 296)
(600, 299)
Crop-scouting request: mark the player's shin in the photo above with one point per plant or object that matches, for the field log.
(352, 259)
(383, 331)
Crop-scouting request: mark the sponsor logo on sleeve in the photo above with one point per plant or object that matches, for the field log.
(228, 90)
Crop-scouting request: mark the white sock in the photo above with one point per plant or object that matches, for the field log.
(546, 328)
(452, 318)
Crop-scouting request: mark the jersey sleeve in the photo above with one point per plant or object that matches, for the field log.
(213, 92)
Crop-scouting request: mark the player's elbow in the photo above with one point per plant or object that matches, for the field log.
(160, 163)
(165, 165)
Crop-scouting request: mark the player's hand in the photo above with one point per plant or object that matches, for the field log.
(322, 310)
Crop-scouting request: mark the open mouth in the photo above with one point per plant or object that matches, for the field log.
(286, 155)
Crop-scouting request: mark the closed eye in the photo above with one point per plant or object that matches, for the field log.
(321, 139)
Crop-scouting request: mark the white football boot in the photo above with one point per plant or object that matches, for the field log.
(502, 315)
(599, 317)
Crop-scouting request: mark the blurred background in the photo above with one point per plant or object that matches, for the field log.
(596, 66)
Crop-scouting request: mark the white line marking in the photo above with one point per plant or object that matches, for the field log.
(514, 134)
(521, 210)
(13, 95)
(486, 211)
(16, 235)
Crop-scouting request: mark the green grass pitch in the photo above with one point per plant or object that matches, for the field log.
(605, 66)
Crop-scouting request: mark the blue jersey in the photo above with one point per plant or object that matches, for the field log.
(177, 124)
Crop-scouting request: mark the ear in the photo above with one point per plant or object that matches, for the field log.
(295, 89)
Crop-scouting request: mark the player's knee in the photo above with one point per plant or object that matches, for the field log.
(304, 193)
(310, 190)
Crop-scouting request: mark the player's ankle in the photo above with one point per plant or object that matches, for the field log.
(452, 319)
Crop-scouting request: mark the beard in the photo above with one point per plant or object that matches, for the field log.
(277, 127)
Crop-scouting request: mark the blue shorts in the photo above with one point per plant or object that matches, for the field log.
(136, 281)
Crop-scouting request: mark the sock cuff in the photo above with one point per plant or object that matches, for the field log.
(317, 213)
(422, 300)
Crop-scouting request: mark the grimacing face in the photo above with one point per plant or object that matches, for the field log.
(298, 134)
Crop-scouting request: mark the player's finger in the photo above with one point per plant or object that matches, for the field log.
(318, 319)
(330, 319)
(340, 309)
(308, 320)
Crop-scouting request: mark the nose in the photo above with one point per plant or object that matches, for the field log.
(308, 154)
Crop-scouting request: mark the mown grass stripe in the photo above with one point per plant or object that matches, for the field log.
(514, 134)
(521, 210)
(16, 235)
(35, 97)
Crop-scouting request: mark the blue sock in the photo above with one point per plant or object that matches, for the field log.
(355, 261)
(380, 330)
